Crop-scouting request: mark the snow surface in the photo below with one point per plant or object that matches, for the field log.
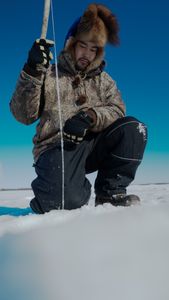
(86, 254)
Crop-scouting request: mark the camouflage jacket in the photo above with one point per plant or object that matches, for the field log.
(36, 98)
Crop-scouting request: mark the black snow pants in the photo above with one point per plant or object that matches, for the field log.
(115, 153)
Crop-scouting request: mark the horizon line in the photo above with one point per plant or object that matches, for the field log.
(29, 189)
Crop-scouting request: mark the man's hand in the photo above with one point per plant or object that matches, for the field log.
(76, 127)
(40, 53)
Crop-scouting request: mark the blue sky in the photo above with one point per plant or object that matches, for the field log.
(140, 66)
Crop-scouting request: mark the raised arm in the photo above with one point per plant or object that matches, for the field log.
(28, 98)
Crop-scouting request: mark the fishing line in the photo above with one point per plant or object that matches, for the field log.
(59, 106)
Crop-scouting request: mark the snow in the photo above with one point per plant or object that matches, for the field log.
(88, 254)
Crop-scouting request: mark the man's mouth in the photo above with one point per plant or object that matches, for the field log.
(84, 60)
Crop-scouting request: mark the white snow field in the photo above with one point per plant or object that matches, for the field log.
(100, 253)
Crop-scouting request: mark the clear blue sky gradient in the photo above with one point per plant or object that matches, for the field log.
(140, 65)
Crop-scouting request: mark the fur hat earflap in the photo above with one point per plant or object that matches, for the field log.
(97, 25)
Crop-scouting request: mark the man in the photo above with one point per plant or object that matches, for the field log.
(97, 135)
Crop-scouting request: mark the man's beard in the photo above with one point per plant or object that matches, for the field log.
(81, 67)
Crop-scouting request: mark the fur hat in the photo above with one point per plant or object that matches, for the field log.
(97, 25)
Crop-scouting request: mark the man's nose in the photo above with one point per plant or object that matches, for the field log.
(87, 53)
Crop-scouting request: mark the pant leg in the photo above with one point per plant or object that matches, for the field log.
(47, 187)
(117, 155)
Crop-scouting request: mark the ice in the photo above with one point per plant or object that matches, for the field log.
(90, 253)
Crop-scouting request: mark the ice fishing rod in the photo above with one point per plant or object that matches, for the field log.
(45, 21)
(47, 6)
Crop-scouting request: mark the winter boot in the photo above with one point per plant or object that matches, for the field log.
(118, 200)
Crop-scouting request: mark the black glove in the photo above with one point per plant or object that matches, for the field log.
(40, 54)
(76, 127)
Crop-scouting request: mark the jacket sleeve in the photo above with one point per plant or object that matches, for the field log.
(27, 98)
(112, 106)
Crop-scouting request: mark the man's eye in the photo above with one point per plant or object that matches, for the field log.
(82, 46)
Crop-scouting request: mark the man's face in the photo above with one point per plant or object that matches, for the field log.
(85, 53)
